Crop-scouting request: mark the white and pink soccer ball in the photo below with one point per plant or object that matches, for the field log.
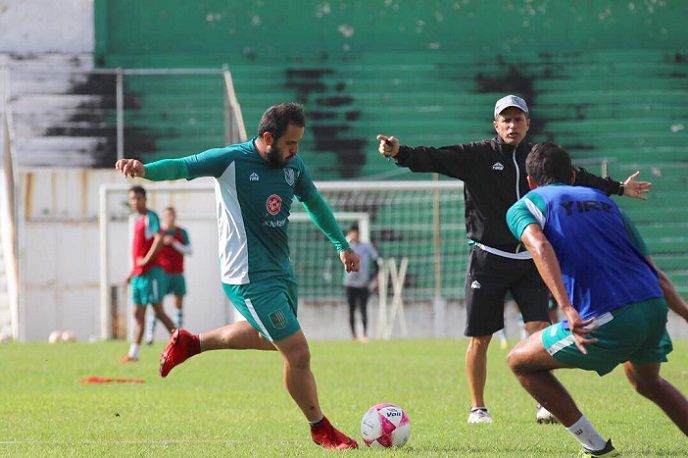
(385, 425)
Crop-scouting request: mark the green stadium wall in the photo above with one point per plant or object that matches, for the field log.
(211, 32)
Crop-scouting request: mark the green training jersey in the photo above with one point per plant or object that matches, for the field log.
(253, 203)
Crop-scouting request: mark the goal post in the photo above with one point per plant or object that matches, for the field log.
(421, 221)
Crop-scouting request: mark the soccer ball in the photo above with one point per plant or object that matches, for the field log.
(68, 336)
(385, 425)
(55, 337)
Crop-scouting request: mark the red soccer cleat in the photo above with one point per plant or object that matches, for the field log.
(327, 436)
(182, 346)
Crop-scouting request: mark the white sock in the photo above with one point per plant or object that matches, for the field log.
(150, 329)
(134, 350)
(586, 434)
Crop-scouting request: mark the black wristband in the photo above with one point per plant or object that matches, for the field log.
(621, 188)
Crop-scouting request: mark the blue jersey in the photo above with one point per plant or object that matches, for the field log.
(602, 269)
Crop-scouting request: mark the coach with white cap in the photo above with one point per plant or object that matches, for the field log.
(494, 176)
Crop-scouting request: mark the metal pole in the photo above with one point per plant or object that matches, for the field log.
(105, 325)
(15, 285)
(237, 118)
(120, 113)
(227, 108)
(438, 302)
(605, 168)
(437, 238)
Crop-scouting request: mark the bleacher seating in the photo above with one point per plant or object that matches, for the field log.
(60, 110)
(625, 107)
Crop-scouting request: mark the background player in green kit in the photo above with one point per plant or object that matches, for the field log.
(175, 245)
(147, 279)
(255, 183)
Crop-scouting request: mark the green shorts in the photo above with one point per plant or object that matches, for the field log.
(148, 287)
(268, 305)
(635, 332)
(175, 284)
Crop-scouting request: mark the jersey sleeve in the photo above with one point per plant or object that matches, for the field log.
(452, 160)
(322, 216)
(531, 209)
(634, 236)
(606, 185)
(304, 189)
(209, 163)
(185, 237)
(152, 224)
(166, 169)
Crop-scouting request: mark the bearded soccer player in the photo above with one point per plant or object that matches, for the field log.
(255, 183)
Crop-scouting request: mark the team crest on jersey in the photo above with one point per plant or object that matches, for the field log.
(274, 204)
(289, 176)
(497, 166)
(254, 177)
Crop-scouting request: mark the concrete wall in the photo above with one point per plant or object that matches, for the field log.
(30, 26)
(60, 259)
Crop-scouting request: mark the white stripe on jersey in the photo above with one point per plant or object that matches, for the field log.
(232, 240)
(535, 212)
(255, 316)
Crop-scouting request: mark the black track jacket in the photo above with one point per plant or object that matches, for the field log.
(494, 176)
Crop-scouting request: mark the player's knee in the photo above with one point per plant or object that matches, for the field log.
(516, 359)
(648, 387)
(300, 358)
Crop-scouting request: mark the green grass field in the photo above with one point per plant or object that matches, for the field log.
(233, 404)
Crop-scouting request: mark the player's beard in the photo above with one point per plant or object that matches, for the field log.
(274, 157)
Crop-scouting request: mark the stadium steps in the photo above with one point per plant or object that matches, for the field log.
(60, 111)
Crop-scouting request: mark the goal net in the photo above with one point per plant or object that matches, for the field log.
(418, 220)
(421, 221)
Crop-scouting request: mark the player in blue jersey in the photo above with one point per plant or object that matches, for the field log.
(607, 290)
(255, 183)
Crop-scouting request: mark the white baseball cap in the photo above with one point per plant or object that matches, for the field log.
(510, 101)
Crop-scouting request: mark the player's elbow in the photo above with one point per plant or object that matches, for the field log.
(538, 247)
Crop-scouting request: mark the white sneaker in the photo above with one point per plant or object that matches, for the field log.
(544, 416)
(479, 415)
